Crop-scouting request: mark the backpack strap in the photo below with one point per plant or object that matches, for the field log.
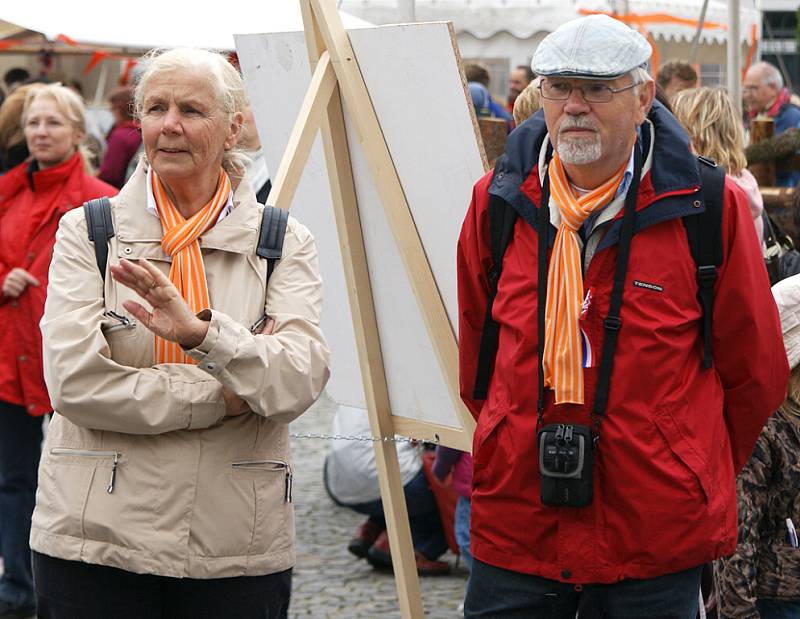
(100, 227)
(502, 218)
(270, 238)
(704, 231)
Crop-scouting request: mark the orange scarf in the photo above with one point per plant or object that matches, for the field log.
(180, 241)
(562, 341)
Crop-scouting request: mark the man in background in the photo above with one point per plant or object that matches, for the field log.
(520, 77)
(766, 96)
(676, 75)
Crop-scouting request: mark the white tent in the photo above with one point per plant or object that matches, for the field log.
(146, 24)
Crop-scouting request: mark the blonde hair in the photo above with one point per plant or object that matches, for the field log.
(11, 132)
(714, 127)
(71, 106)
(66, 100)
(527, 103)
(223, 77)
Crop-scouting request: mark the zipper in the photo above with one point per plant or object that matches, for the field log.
(86, 453)
(272, 466)
(124, 322)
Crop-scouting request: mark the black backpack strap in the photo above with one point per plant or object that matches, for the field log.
(704, 232)
(502, 218)
(100, 227)
(612, 323)
(270, 238)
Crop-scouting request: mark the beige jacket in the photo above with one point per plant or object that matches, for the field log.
(141, 470)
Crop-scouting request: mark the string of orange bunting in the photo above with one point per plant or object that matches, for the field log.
(97, 57)
(640, 22)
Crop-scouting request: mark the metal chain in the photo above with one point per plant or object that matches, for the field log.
(366, 439)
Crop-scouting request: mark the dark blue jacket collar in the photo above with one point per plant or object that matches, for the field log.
(673, 167)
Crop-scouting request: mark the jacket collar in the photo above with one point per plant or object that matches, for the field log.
(672, 177)
(237, 233)
(40, 181)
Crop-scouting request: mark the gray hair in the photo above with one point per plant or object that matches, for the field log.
(223, 77)
(770, 74)
(639, 76)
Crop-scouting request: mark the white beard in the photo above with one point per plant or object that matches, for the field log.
(579, 151)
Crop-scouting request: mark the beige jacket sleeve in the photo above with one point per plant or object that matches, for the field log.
(282, 374)
(90, 389)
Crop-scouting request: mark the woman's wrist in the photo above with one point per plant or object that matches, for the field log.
(195, 334)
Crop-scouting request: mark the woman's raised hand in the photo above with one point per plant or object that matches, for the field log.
(171, 317)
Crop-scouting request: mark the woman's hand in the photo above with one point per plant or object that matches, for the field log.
(17, 281)
(234, 405)
(171, 317)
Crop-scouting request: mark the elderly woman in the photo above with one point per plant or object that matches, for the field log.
(34, 195)
(165, 484)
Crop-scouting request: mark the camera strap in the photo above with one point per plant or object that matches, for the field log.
(612, 322)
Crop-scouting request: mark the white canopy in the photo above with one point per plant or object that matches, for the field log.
(145, 24)
(524, 19)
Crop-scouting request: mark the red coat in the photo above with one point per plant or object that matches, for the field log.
(675, 434)
(31, 206)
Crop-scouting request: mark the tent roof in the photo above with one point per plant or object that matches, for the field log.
(158, 23)
(525, 18)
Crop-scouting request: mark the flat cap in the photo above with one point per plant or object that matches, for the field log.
(596, 46)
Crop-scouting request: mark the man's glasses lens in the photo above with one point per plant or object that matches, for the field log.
(592, 92)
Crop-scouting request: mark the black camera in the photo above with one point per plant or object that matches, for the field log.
(566, 458)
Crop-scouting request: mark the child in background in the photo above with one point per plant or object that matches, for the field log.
(460, 463)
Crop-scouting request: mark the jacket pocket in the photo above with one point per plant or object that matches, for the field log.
(65, 480)
(257, 508)
(118, 323)
(682, 445)
(110, 460)
(270, 466)
(129, 344)
(484, 443)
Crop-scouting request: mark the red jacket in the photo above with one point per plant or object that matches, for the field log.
(31, 205)
(675, 434)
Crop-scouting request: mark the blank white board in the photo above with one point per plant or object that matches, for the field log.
(412, 74)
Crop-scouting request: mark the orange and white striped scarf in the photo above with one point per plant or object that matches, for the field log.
(562, 341)
(180, 241)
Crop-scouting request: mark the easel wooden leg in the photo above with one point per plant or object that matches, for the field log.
(337, 157)
(304, 131)
(371, 361)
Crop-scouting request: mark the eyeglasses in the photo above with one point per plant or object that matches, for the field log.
(592, 92)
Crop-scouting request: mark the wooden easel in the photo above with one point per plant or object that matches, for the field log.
(336, 84)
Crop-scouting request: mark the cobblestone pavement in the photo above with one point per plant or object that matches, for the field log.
(328, 581)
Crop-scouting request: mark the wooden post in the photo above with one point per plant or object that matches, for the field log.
(764, 172)
(494, 132)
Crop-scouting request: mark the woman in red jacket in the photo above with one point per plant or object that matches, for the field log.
(33, 197)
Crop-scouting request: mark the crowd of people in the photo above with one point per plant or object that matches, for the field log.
(634, 379)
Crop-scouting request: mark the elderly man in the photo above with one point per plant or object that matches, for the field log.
(766, 97)
(608, 435)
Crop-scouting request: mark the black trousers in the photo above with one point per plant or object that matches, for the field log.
(75, 590)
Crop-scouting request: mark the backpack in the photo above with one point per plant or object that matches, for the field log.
(100, 225)
(704, 232)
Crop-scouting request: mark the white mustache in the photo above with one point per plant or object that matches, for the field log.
(576, 122)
